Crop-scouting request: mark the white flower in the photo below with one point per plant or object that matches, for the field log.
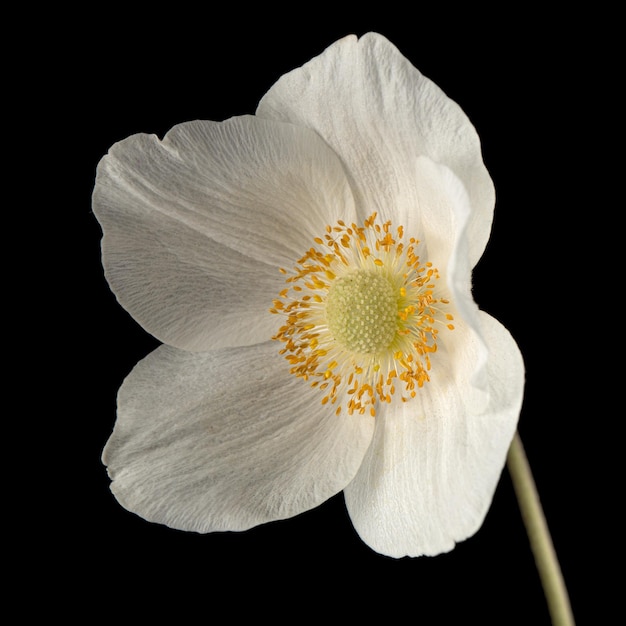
(309, 272)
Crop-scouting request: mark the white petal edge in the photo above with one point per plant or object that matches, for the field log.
(443, 220)
(196, 225)
(380, 114)
(429, 476)
(227, 440)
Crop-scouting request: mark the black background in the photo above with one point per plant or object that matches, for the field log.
(523, 78)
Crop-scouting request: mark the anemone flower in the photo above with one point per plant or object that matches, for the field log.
(308, 271)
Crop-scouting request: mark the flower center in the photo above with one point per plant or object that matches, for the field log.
(361, 316)
(362, 311)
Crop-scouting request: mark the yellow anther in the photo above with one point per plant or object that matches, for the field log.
(380, 333)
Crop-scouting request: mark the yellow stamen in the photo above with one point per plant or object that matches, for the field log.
(362, 326)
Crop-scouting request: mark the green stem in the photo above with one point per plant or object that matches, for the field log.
(539, 535)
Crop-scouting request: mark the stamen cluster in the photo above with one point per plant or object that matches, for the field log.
(361, 316)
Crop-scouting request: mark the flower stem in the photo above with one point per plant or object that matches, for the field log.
(539, 535)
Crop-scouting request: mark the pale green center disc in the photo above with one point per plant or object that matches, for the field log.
(362, 311)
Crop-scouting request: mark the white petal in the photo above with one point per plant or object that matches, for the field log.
(444, 221)
(430, 474)
(196, 226)
(226, 440)
(380, 115)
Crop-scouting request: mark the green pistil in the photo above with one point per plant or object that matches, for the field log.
(362, 311)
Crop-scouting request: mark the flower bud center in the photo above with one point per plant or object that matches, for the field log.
(362, 311)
